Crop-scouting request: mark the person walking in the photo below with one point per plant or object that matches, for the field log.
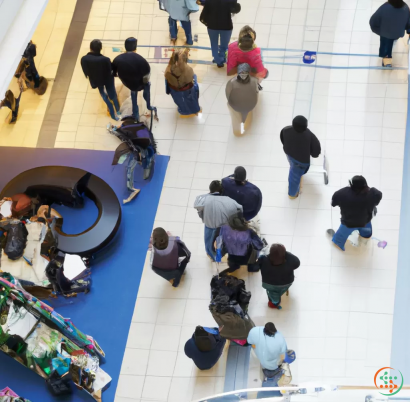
(271, 349)
(243, 192)
(134, 72)
(217, 16)
(244, 50)
(239, 241)
(277, 271)
(179, 10)
(169, 256)
(299, 144)
(390, 21)
(98, 69)
(242, 93)
(357, 204)
(205, 347)
(181, 83)
(214, 209)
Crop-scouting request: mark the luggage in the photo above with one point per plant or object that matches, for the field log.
(16, 241)
(21, 205)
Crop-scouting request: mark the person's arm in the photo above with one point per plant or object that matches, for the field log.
(228, 90)
(335, 199)
(84, 67)
(232, 62)
(378, 195)
(256, 241)
(259, 205)
(281, 135)
(183, 249)
(192, 6)
(375, 21)
(314, 146)
(408, 25)
(293, 260)
(251, 337)
(114, 68)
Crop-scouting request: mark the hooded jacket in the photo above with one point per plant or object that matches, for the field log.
(179, 10)
(300, 145)
(215, 209)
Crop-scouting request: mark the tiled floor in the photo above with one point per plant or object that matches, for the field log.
(338, 316)
(49, 37)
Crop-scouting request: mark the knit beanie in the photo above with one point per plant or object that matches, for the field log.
(160, 239)
(300, 124)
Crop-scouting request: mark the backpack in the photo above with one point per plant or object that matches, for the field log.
(16, 241)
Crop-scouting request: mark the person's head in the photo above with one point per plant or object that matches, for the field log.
(96, 46)
(160, 239)
(179, 57)
(397, 3)
(204, 341)
(130, 44)
(300, 124)
(239, 175)
(238, 222)
(215, 186)
(277, 254)
(243, 73)
(270, 329)
(246, 38)
(359, 184)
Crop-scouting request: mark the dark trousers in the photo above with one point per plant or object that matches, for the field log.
(110, 97)
(386, 47)
(146, 95)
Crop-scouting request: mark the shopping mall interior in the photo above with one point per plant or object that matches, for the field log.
(345, 315)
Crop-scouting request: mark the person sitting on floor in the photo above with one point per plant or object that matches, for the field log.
(246, 51)
(181, 84)
(165, 255)
(205, 347)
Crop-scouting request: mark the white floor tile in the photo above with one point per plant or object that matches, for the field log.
(161, 363)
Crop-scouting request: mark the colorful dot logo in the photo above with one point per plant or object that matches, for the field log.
(388, 381)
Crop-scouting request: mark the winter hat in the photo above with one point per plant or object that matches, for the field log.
(244, 68)
(300, 124)
(239, 173)
(160, 238)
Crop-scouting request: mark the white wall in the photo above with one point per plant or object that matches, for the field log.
(21, 25)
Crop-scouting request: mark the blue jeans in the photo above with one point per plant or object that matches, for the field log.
(147, 96)
(296, 171)
(270, 382)
(173, 30)
(219, 44)
(344, 232)
(209, 242)
(110, 98)
(386, 47)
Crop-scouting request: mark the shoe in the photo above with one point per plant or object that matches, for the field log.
(189, 43)
(330, 232)
(292, 198)
(220, 65)
(387, 62)
(272, 305)
(173, 42)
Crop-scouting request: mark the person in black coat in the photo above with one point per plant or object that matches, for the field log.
(97, 68)
(277, 273)
(205, 347)
(244, 193)
(217, 16)
(134, 72)
(299, 144)
(357, 204)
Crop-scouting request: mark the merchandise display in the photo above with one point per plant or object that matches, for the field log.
(8, 395)
(33, 245)
(32, 333)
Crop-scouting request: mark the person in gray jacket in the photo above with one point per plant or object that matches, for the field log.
(214, 209)
(389, 22)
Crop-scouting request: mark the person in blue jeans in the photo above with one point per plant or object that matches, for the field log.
(389, 22)
(134, 72)
(217, 16)
(299, 144)
(357, 204)
(179, 10)
(98, 69)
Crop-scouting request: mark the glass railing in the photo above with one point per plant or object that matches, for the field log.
(310, 392)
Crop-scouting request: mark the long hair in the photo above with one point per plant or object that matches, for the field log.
(397, 3)
(277, 254)
(238, 222)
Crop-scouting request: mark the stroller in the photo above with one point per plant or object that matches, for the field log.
(138, 147)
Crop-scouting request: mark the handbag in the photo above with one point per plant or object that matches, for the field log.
(161, 4)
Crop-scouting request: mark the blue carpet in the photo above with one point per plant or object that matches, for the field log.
(106, 312)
